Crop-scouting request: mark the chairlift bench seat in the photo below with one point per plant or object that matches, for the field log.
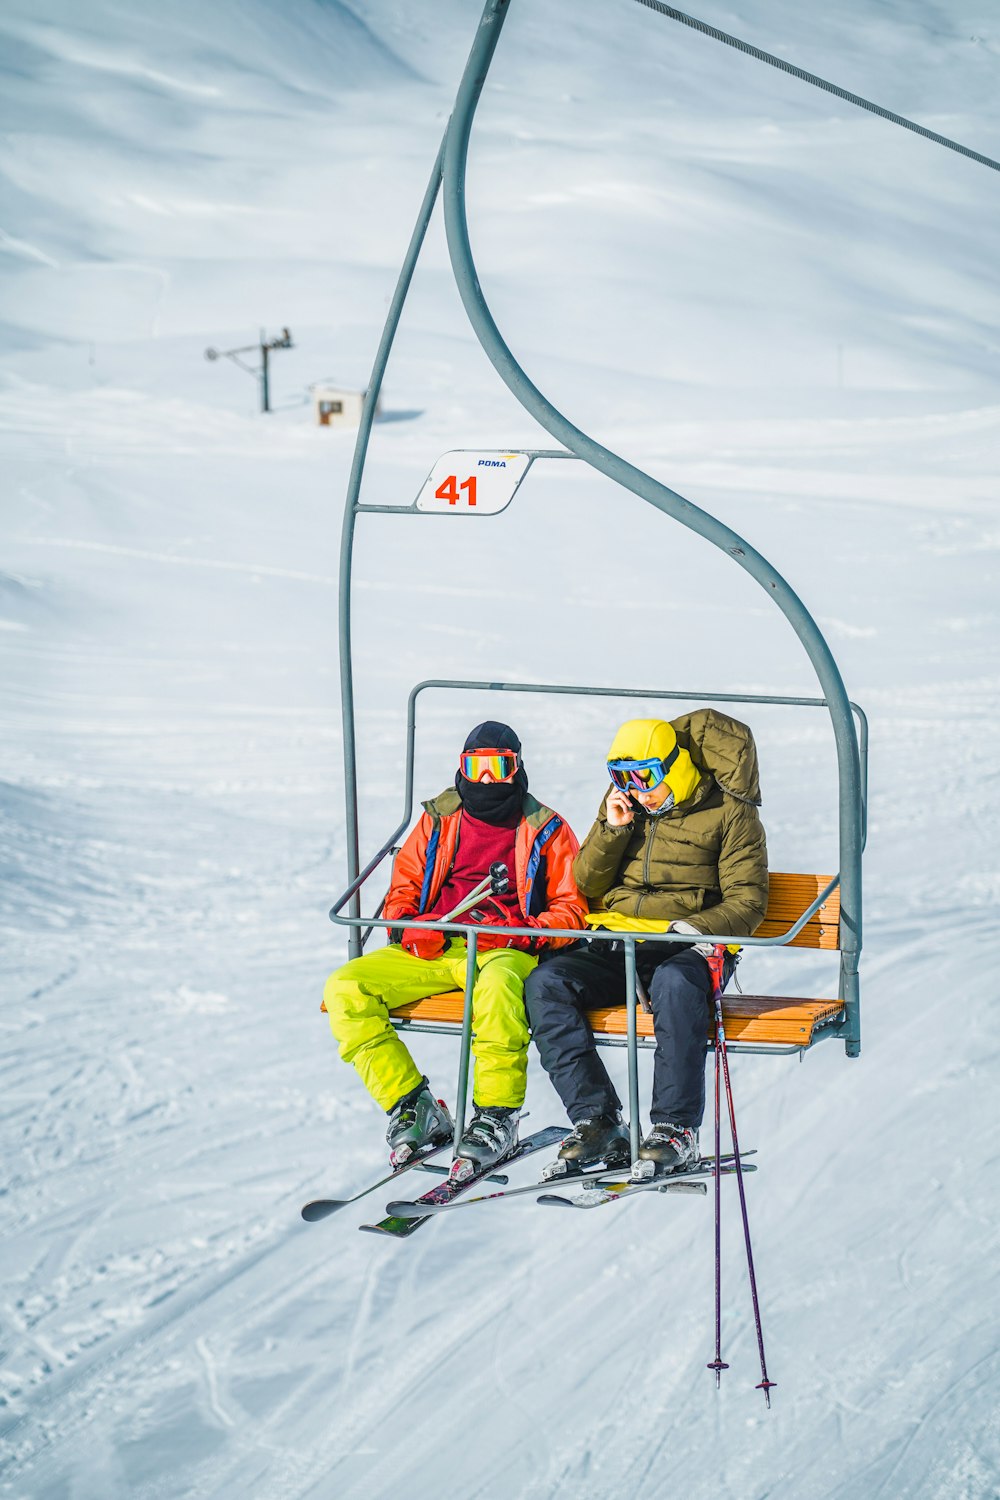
(764, 1020)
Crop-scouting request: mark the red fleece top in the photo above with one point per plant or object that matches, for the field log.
(479, 845)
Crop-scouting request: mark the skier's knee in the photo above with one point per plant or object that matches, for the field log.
(350, 1008)
(677, 986)
(544, 990)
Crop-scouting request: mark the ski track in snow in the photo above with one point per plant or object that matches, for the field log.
(783, 311)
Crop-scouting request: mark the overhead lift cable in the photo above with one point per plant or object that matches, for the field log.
(820, 83)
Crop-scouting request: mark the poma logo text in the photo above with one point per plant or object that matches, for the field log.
(492, 463)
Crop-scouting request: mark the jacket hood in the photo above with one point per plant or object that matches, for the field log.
(725, 748)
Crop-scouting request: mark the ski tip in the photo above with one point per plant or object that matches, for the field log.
(555, 1200)
(402, 1208)
(322, 1208)
(393, 1226)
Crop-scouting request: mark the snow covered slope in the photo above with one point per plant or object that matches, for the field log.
(784, 308)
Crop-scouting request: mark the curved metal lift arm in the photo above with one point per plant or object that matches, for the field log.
(450, 171)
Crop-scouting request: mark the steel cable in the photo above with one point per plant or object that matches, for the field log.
(820, 83)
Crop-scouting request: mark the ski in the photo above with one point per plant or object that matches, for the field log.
(322, 1208)
(597, 1176)
(694, 1180)
(610, 1192)
(446, 1192)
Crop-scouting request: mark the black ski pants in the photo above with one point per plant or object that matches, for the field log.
(587, 976)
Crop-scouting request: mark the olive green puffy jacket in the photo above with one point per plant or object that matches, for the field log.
(704, 861)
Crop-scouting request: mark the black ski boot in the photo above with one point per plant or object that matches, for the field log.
(601, 1139)
(416, 1120)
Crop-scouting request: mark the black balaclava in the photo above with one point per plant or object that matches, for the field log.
(500, 802)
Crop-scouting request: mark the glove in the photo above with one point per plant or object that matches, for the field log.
(488, 940)
(423, 943)
(707, 950)
(495, 915)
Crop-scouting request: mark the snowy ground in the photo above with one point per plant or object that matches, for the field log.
(785, 309)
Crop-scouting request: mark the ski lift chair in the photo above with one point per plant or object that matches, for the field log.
(803, 911)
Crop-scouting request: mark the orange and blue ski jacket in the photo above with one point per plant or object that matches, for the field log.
(544, 849)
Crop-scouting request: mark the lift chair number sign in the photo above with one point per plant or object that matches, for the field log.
(470, 483)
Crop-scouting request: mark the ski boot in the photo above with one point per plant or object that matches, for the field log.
(601, 1139)
(417, 1120)
(490, 1135)
(667, 1148)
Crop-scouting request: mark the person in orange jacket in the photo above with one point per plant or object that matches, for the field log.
(488, 816)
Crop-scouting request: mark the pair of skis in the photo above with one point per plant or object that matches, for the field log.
(322, 1208)
(400, 1226)
(601, 1185)
(593, 1188)
(607, 1189)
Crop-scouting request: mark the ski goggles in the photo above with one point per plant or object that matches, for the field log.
(500, 764)
(640, 775)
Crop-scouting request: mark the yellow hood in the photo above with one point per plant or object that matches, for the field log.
(655, 739)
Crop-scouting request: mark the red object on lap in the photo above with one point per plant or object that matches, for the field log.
(421, 943)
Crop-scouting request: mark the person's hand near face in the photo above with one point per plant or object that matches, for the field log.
(619, 808)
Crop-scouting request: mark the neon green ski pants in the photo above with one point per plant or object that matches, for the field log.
(360, 996)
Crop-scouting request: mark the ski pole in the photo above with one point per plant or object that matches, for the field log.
(467, 901)
(718, 1364)
(496, 883)
(715, 965)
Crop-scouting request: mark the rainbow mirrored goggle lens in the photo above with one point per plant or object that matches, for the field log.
(640, 775)
(501, 764)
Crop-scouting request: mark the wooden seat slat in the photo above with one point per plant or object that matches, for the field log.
(811, 936)
(748, 1018)
(788, 897)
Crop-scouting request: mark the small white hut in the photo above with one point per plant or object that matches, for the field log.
(336, 407)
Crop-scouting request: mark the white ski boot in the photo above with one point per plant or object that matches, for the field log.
(667, 1148)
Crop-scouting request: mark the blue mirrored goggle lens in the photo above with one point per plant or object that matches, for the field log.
(640, 776)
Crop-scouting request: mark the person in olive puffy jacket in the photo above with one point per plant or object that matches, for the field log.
(678, 846)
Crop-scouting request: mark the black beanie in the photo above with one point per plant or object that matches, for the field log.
(501, 802)
(492, 736)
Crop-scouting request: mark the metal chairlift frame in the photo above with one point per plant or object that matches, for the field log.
(448, 177)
